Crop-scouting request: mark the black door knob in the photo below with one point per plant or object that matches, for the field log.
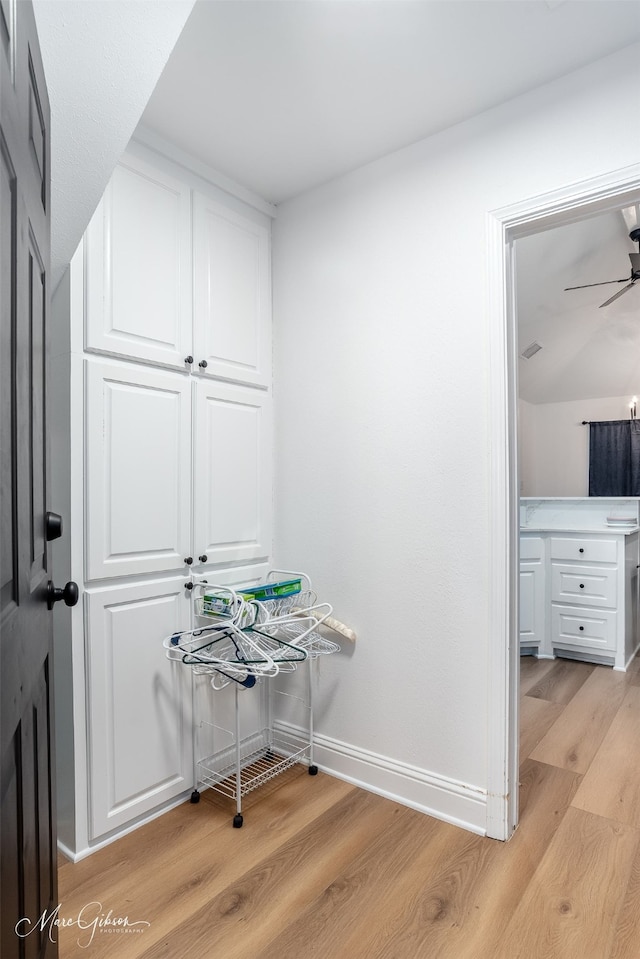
(203, 364)
(69, 594)
(52, 526)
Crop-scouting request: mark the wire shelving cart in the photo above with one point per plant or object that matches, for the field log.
(245, 637)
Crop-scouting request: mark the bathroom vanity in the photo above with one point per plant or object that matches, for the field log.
(579, 578)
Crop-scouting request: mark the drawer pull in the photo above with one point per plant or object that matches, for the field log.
(581, 628)
(581, 550)
(581, 585)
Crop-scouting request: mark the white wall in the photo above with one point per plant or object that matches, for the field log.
(555, 445)
(383, 436)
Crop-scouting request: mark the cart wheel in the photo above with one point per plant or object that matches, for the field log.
(313, 770)
(195, 796)
(237, 821)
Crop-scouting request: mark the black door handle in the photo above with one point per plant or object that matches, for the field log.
(69, 594)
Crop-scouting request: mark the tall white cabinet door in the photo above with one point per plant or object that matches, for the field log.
(140, 718)
(138, 466)
(232, 479)
(232, 307)
(138, 267)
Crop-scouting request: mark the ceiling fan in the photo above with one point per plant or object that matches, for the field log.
(629, 280)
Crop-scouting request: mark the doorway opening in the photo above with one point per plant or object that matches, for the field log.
(572, 204)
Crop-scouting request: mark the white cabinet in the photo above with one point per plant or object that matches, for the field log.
(141, 470)
(232, 474)
(170, 289)
(532, 593)
(579, 595)
(588, 595)
(166, 436)
(140, 735)
(138, 470)
(138, 267)
(232, 293)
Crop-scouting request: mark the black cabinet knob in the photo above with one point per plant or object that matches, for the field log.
(69, 594)
(581, 550)
(203, 364)
(189, 560)
(581, 628)
(188, 586)
(203, 558)
(581, 585)
(188, 359)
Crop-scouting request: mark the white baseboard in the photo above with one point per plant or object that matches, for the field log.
(119, 833)
(446, 799)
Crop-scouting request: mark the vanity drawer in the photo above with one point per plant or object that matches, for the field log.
(595, 550)
(586, 585)
(531, 547)
(576, 626)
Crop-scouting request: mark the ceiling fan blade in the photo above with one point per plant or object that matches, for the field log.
(619, 293)
(604, 282)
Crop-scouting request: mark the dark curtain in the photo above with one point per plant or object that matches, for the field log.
(614, 458)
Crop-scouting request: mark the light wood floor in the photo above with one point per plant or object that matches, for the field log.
(323, 870)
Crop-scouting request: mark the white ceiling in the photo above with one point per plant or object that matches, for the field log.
(282, 95)
(587, 351)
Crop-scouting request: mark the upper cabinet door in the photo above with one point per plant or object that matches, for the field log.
(232, 290)
(138, 450)
(232, 474)
(138, 267)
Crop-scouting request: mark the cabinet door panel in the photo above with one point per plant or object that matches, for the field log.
(138, 267)
(138, 470)
(232, 485)
(232, 310)
(140, 737)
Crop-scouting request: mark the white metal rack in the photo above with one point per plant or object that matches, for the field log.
(244, 639)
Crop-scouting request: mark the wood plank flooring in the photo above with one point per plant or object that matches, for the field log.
(324, 870)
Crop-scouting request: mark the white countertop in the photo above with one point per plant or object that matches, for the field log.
(598, 530)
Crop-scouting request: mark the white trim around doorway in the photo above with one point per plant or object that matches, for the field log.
(534, 215)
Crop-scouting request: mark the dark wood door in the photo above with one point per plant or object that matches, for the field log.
(27, 826)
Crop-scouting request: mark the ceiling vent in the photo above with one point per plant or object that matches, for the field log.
(530, 351)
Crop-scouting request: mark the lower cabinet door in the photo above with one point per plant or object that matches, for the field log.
(532, 603)
(139, 703)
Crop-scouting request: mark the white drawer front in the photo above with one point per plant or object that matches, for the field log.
(587, 585)
(531, 547)
(595, 550)
(573, 626)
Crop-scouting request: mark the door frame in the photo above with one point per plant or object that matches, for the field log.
(573, 202)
